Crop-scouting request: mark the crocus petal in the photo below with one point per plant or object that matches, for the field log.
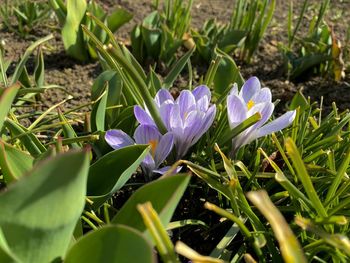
(148, 164)
(142, 116)
(277, 124)
(186, 102)
(165, 111)
(236, 110)
(234, 90)
(146, 134)
(264, 95)
(203, 103)
(176, 124)
(192, 126)
(201, 91)
(265, 109)
(243, 139)
(164, 147)
(164, 169)
(250, 87)
(118, 139)
(206, 122)
(162, 96)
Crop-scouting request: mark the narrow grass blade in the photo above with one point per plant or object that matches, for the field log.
(289, 245)
(304, 177)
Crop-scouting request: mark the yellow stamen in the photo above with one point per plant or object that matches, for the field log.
(154, 145)
(250, 104)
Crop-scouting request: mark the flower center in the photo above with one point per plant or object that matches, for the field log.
(154, 145)
(250, 104)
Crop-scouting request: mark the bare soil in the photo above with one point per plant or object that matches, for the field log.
(77, 78)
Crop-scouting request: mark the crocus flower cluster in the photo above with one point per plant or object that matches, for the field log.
(188, 117)
(248, 101)
(161, 145)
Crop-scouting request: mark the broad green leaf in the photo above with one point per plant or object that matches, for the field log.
(6, 98)
(72, 34)
(6, 255)
(226, 74)
(151, 34)
(14, 163)
(151, 38)
(299, 100)
(119, 244)
(125, 121)
(137, 43)
(100, 84)
(109, 173)
(306, 62)
(119, 17)
(115, 85)
(40, 211)
(164, 194)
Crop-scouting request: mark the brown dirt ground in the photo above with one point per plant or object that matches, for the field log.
(267, 65)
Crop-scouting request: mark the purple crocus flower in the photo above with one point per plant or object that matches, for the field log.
(248, 101)
(188, 117)
(161, 145)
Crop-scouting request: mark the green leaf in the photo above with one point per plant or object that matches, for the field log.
(28, 139)
(164, 194)
(39, 71)
(24, 78)
(129, 56)
(72, 35)
(290, 247)
(20, 67)
(98, 112)
(109, 173)
(6, 98)
(151, 38)
(151, 34)
(68, 130)
(60, 10)
(176, 69)
(299, 100)
(13, 162)
(119, 17)
(226, 74)
(154, 81)
(6, 255)
(119, 244)
(229, 134)
(40, 211)
(115, 85)
(304, 177)
(137, 43)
